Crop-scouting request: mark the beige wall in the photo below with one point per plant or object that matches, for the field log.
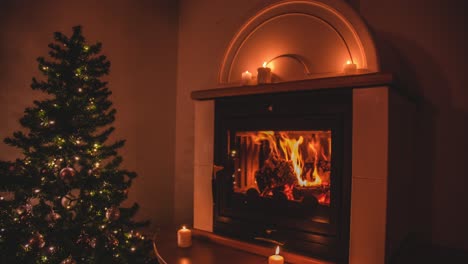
(419, 40)
(140, 40)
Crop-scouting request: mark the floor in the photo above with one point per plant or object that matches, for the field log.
(429, 254)
(206, 252)
(203, 252)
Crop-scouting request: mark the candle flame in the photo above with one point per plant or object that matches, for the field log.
(264, 64)
(247, 72)
(277, 250)
(348, 62)
(183, 227)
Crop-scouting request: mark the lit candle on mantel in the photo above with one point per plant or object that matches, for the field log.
(349, 67)
(184, 237)
(246, 77)
(264, 74)
(277, 258)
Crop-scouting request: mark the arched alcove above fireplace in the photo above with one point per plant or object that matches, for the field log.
(300, 40)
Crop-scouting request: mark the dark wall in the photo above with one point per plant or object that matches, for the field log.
(140, 40)
(425, 42)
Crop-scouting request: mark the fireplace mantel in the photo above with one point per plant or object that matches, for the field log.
(348, 81)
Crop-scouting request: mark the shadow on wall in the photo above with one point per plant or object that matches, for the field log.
(439, 143)
(393, 53)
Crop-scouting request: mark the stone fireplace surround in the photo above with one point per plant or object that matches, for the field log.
(380, 211)
(380, 208)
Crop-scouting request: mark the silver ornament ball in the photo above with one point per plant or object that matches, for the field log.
(69, 201)
(67, 175)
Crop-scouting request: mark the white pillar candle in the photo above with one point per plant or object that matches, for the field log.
(246, 77)
(349, 67)
(184, 237)
(264, 74)
(277, 258)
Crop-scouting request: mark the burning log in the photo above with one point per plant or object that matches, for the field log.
(252, 194)
(275, 173)
(277, 202)
(284, 166)
(320, 193)
(309, 202)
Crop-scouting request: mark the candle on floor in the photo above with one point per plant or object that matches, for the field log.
(264, 74)
(246, 77)
(184, 237)
(277, 258)
(349, 67)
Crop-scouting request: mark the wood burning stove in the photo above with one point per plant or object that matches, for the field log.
(286, 176)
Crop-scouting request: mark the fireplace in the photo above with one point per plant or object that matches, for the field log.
(320, 159)
(286, 162)
(368, 126)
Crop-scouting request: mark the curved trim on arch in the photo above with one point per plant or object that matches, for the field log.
(342, 11)
(332, 27)
(295, 57)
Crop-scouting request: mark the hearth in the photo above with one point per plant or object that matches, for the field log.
(286, 170)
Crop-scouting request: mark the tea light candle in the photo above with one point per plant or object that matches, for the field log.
(264, 74)
(184, 237)
(277, 258)
(246, 77)
(349, 67)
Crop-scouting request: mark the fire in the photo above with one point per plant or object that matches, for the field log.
(322, 198)
(291, 152)
(288, 191)
(267, 136)
(284, 161)
(315, 176)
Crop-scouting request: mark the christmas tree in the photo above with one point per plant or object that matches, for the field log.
(61, 200)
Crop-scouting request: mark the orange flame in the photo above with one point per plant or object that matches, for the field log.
(291, 152)
(315, 176)
(317, 146)
(270, 137)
